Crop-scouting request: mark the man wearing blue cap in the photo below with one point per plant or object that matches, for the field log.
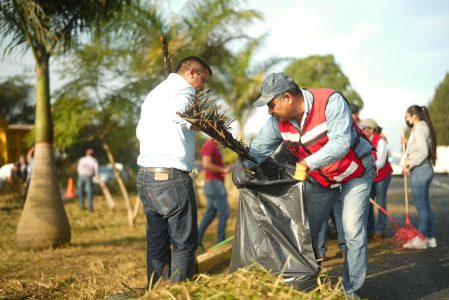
(319, 128)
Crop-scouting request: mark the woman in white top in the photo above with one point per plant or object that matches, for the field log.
(420, 156)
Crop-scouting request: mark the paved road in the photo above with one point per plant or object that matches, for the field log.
(410, 274)
(440, 184)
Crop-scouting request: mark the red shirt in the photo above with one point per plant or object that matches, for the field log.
(210, 148)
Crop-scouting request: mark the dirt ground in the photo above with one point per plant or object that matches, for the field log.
(407, 274)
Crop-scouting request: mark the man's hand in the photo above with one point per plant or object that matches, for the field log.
(227, 169)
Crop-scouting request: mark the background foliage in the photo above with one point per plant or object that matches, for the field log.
(439, 111)
(322, 71)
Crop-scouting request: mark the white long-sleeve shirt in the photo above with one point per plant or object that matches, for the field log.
(165, 138)
(382, 153)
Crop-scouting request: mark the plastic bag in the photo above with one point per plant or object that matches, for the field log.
(272, 228)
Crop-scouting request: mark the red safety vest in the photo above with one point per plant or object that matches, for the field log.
(386, 169)
(314, 137)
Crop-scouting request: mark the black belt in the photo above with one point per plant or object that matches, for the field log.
(162, 170)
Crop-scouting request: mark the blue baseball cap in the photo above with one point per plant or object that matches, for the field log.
(274, 84)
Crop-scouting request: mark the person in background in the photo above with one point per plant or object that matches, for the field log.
(335, 220)
(167, 154)
(30, 161)
(9, 177)
(214, 190)
(355, 110)
(382, 180)
(419, 158)
(87, 168)
(23, 168)
(318, 125)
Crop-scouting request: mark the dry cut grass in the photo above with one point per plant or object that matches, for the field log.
(105, 254)
(252, 282)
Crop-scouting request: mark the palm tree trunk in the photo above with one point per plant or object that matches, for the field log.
(121, 184)
(43, 222)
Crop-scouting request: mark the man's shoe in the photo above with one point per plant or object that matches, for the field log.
(431, 242)
(416, 243)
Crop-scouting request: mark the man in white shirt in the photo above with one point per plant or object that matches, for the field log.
(167, 152)
(87, 168)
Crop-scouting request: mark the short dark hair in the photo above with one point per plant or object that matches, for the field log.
(354, 108)
(186, 63)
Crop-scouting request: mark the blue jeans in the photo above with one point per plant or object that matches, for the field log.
(85, 183)
(421, 178)
(217, 201)
(379, 193)
(354, 195)
(336, 213)
(170, 210)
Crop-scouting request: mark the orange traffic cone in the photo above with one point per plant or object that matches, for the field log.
(70, 192)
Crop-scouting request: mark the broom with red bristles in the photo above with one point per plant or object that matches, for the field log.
(407, 232)
(385, 212)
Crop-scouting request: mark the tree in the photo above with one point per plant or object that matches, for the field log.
(135, 60)
(238, 80)
(45, 27)
(16, 105)
(108, 79)
(439, 110)
(206, 28)
(319, 71)
(212, 29)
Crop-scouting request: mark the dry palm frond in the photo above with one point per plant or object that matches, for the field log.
(205, 115)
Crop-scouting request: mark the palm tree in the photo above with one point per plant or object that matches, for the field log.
(239, 81)
(47, 27)
(206, 28)
(318, 71)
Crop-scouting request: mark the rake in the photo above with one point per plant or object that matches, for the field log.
(407, 232)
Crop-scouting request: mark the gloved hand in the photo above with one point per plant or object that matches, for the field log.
(241, 175)
(301, 171)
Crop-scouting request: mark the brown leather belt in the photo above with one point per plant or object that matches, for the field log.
(161, 174)
(163, 170)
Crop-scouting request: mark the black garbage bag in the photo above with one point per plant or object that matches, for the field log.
(272, 228)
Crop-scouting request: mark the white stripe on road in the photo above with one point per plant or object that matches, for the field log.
(391, 270)
(440, 184)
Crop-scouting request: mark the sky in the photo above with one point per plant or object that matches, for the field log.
(395, 53)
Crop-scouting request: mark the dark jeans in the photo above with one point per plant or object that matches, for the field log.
(379, 193)
(421, 178)
(85, 183)
(335, 214)
(170, 209)
(217, 201)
